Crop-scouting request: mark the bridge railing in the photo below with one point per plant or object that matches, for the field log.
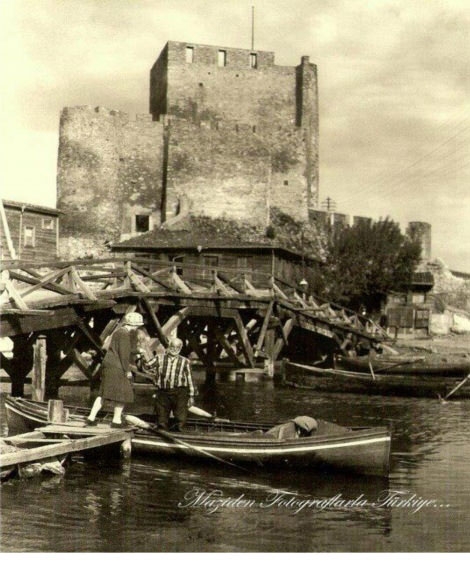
(92, 278)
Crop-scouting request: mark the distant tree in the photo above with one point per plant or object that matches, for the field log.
(368, 260)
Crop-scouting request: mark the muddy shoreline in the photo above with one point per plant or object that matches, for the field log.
(452, 344)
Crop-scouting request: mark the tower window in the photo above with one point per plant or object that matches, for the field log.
(142, 223)
(253, 60)
(286, 182)
(190, 54)
(222, 58)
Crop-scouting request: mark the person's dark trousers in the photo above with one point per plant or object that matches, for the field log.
(175, 400)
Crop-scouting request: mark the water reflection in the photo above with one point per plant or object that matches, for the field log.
(140, 505)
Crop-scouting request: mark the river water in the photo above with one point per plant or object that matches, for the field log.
(144, 505)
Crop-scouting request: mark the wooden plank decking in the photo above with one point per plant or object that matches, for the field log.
(74, 438)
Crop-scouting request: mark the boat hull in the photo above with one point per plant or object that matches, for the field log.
(337, 380)
(427, 366)
(364, 450)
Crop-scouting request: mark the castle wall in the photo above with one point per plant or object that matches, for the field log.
(219, 173)
(109, 169)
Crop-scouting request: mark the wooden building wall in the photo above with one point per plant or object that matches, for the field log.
(258, 266)
(38, 239)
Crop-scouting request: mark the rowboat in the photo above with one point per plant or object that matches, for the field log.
(428, 384)
(428, 365)
(363, 450)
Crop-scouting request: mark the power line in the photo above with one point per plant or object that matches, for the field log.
(384, 176)
(394, 178)
(422, 158)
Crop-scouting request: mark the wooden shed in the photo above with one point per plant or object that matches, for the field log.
(258, 257)
(28, 231)
(409, 313)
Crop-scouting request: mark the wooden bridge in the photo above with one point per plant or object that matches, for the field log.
(59, 314)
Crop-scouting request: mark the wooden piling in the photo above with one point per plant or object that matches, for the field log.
(39, 369)
(280, 376)
(56, 412)
(126, 448)
(269, 367)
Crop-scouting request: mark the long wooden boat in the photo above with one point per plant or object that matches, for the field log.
(375, 382)
(429, 365)
(361, 450)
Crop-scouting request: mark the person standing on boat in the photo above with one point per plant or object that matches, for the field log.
(116, 375)
(175, 388)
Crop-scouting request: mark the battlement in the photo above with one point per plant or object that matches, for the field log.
(183, 53)
(89, 112)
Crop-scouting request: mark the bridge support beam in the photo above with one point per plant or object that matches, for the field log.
(21, 364)
(58, 362)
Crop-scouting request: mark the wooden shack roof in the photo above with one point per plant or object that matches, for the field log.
(210, 234)
(9, 204)
(422, 279)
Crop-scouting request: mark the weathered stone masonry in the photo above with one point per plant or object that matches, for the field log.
(230, 134)
(109, 168)
(277, 106)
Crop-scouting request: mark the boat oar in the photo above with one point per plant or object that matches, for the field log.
(461, 383)
(137, 422)
(193, 409)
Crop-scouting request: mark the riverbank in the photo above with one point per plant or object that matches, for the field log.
(452, 344)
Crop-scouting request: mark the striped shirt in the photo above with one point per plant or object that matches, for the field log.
(173, 371)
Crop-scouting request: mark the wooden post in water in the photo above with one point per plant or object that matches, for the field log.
(126, 448)
(39, 369)
(269, 342)
(56, 412)
(280, 376)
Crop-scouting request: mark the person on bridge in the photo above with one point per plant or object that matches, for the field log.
(116, 375)
(175, 388)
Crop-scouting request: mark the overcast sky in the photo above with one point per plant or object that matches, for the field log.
(394, 85)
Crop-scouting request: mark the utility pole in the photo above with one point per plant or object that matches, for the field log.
(252, 28)
(329, 205)
(6, 230)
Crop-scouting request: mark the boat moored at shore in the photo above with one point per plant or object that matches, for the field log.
(364, 450)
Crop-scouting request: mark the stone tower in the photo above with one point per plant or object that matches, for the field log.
(421, 231)
(229, 135)
(254, 110)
